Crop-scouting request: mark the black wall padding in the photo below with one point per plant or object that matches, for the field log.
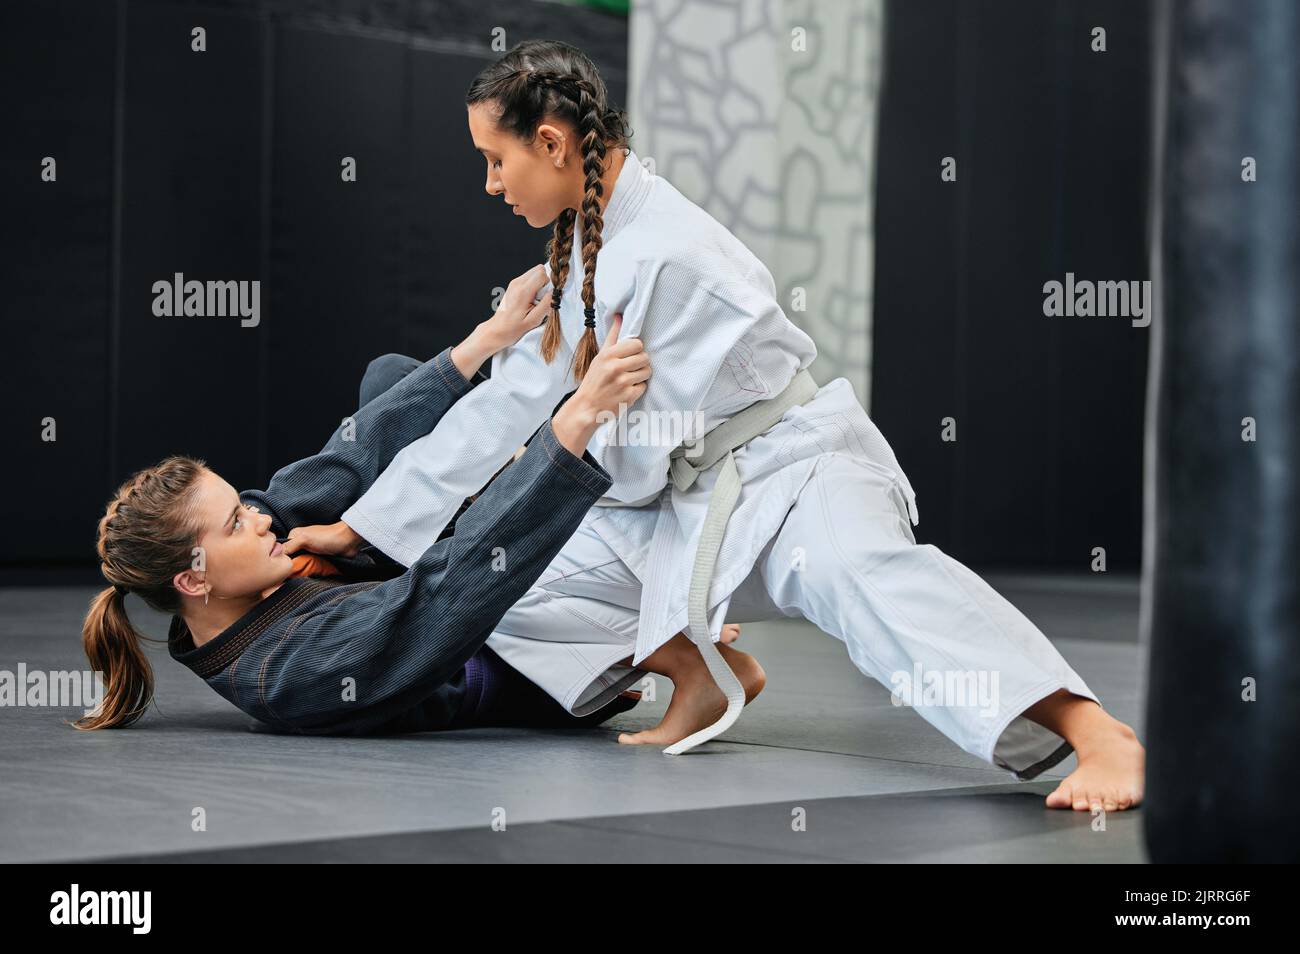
(1224, 513)
(1052, 151)
(225, 165)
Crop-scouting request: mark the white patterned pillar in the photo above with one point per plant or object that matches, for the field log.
(764, 113)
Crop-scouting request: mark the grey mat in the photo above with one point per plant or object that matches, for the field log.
(985, 825)
(821, 736)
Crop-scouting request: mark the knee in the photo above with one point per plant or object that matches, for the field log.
(388, 365)
(382, 373)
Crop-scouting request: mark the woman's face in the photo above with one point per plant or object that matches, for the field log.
(529, 176)
(241, 557)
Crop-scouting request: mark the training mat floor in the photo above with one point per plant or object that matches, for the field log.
(821, 767)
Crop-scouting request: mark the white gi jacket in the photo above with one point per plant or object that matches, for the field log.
(718, 340)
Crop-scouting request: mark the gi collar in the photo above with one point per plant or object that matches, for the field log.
(219, 652)
(631, 189)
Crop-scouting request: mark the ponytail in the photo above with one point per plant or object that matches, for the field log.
(146, 537)
(113, 648)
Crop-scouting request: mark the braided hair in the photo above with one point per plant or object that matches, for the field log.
(541, 80)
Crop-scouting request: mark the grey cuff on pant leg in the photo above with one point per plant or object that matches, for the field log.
(605, 688)
(1025, 748)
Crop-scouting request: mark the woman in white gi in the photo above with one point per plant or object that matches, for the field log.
(797, 507)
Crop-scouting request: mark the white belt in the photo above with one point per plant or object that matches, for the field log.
(685, 465)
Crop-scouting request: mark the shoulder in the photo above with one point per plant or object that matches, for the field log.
(679, 238)
(691, 267)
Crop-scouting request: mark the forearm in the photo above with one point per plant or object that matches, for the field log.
(315, 490)
(573, 425)
(411, 503)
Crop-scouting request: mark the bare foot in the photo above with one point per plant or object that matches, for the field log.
(697, 701)
(1111, 775)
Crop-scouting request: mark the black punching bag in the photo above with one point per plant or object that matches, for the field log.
(1221, 594)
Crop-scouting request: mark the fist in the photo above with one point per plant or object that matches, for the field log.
(334, 539)
(523, 307)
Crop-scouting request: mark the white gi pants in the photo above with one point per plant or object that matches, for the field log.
(846, 560)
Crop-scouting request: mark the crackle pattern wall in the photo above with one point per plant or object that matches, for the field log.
(764, 113)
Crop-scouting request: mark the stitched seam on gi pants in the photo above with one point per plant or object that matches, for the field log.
(1016, 649)
(594, 673)
(952, 664)
(591, 671)
(595, 624)
(894, 491)
(587, 569)
(581, 680)
(862, 577)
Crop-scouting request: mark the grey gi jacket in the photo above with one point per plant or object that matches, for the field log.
(340, 657)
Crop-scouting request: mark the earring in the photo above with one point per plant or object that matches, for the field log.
(205, 594)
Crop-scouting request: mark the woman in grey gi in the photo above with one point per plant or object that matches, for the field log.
(356, 655)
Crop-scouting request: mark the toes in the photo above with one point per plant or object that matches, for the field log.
(1090, 795)
(1060, 798)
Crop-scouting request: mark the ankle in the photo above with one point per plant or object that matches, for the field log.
(1100, 733)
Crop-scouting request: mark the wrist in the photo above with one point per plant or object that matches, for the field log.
(574, 425)
(485, 338)
(469, 355)
(350, 536)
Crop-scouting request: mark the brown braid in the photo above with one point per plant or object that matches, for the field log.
(546, 79)
(591, 132)
(558, 250)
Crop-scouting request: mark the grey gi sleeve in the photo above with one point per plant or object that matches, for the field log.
(319, 488)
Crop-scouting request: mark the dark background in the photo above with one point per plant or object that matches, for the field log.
(1052, 148)
(225, 165)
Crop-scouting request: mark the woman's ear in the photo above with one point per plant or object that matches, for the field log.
(187, 583)
(554, 140)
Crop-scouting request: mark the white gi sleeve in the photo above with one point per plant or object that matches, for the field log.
(416, 496)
